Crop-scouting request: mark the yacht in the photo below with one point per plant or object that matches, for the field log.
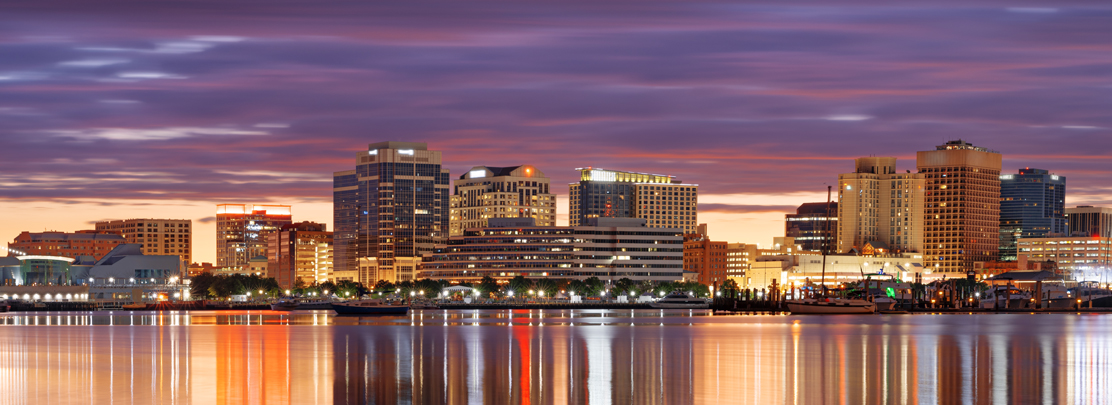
(1005, 296)
(679, 300)
(284, 305)
(368, 307)
(831, 306)
(314, 304)
(1087, 294)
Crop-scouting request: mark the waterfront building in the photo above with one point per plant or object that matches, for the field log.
(1087, 220)
(814, 226)
(705, 257)
(662, 201)
(300, 251)
(796, 271)
(157, 236)
(1080, 257)
(242, 231)
(197, 269)
(1032, 205)
(739, 256)
(501, 192)
(961, 206)
(392, 208)
(93, 243)
(877, 204)
(607, 248)
(123, 274)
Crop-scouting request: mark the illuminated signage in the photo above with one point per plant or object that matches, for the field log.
(405, 152)
(373, 152)
(475, 174)
(1006, 177)
(603, 175)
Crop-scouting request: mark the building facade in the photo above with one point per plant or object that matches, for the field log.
(501, 192)
(706, 257)
(81, 243)
(607, 248)
(388, 211)
(961, 206)
(662, 201)
(795, 271)
(1032, 205)
(1085, 258)
(877, 204)
(157, 236)
(1087, 220)
(242, 231)
(814, 226)
(300, 251)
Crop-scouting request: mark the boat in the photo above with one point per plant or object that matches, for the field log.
(5, 307)
(368, 307)
(135, 306)
(680, 300)
(830, 306)
(423, 305)
(284, 305)
(314, 305)
(1005, 297)
(1086, 294)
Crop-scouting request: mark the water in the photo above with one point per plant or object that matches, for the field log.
(542, 357)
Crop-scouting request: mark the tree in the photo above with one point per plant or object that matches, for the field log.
(548, 286)
(383, 286)
(199, 286)
(730, 286)
(592, 287)
(520, 285)
(299, 285)
(623, 287)
(577, 287)
(487, 286)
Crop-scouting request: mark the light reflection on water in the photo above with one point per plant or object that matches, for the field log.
(597, 357)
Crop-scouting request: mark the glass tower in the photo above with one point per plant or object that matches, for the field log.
(1032, 205)
(389, 211)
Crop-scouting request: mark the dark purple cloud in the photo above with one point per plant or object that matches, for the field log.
(219, 101)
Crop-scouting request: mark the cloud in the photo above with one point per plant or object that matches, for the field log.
(746, 209)
(93, 63)
(148, 134)
(848, 117)
(206, 220)
(148, 75)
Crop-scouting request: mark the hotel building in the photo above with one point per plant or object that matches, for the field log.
(1032, 205)
(814, 226)
(156, 236)
(91, 243)
(301, 251)
(961, 206)
(501, 192)
(242, 231)
(388, 211)
(1087, 220)
(607, 248)
(878, 206)
(663, 202)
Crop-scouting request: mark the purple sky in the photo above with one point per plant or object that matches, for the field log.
(129, 104)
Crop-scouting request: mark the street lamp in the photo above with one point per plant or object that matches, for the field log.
(287, 292)
(541, 293)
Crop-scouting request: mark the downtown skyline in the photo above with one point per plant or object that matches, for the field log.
(141, 114)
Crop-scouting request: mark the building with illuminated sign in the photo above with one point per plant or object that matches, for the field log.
(501, 192)
(157, 236)
(242, 231)
(301, 251)
(81, 243)
(814, 226)
(961, 206)
(877, 204)
(663, 202)
(795, 271)
(1087, 220)
(607, 248)
(1032, 205)
(388, 211)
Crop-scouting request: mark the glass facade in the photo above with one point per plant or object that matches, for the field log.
(242, 231)
(814, 226)
(1032, 205)
(661, 200)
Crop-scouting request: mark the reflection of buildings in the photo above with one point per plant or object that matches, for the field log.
(501, 192)
(663, 202)
(157, 236)
(242, 231)
(80, 243)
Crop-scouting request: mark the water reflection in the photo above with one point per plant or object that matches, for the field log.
(535, 357)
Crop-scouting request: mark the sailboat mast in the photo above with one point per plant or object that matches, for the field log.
(825, 246)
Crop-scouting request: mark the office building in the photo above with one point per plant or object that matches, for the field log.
(739, 257)
(662, 201)
(1087, 220)
(242, 231)
(156, 236)
(607, 248)
(706, 257)
(796, 271)
(300, 251)
(1032, 205)
(877, 204)
(814, 226)
(1081, 258)
(961, 206)
(92, 243)
(392, 208)
(501, 192)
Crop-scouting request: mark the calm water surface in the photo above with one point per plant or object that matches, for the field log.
(542, 357)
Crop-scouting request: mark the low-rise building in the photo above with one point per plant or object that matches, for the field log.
(1080, 258)
(807, 269)
(65, 244)
(157, 236)
(705, 257)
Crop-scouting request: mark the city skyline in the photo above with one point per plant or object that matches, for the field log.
(106, 122)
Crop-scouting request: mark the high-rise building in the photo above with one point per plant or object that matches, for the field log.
(501, 192)
(814, 226)
(242, 231)
(880, 206)
(1032, 205)
(156, 236)
(392, 208)
(961, 206)
(1087, 220)
(662, 201)
(300, 251)
(81, 243)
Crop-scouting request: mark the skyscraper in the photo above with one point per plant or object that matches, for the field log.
(961, 205)
(501, 192)
(814, 226)
(1087, 220)
(1032, 205)
(242, 231)
(662, 201)
(389, 210)
(301, 251)
(877, 204)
